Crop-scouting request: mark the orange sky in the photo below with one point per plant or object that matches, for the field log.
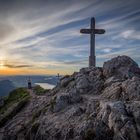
(8, 68)
(28, 71)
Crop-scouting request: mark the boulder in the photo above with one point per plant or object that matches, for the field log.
(131, 89)
(74, 96)
(109, 81)
(65, 81)
(96, 72)
(92, 71)
(82, 84)
(86, 70)
(115, 115)
(60, 102)
(96, 86)
(113, 92)
(121, 66)
(133, 109)
(75, 111)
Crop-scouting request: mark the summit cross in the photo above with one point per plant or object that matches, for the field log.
(92, 31)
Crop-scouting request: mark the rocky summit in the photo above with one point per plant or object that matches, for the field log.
(96, 103)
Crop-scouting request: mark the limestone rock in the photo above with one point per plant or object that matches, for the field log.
(133, 109)
(74, 96)
(96, 86)
(112, 80)
(131, 89)
(60, 102)
(64, 99)
(82, 84)
(121, 66)
(65, 81)
(115, 115)
(113, 92)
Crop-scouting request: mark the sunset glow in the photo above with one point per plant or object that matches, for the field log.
(1, 65)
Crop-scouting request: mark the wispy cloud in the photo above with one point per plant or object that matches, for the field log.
(130, 34)
(17, 66)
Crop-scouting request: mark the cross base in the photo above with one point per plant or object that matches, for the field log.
(92, 61)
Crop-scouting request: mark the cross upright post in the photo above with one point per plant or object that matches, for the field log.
(92, 31)
(92, 57)
(58, 78)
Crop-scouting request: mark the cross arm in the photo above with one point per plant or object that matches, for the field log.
(99, 31)
(92, 31)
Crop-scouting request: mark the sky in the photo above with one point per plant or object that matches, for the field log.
(43, 36)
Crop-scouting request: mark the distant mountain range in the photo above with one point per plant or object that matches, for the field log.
(5, 87)
(8, 83)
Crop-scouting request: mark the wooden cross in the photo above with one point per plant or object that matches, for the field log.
(92, 31)
(58, 76)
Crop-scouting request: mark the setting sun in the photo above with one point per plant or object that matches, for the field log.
(1, 65)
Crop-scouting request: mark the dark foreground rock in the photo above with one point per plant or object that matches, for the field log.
(93, 104)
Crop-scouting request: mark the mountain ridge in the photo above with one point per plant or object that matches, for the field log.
(92, 104)
(6, 83)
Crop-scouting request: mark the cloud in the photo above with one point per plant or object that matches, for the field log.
(77, 63)
(5, 30)
(107, 50)
(130, 34)
(17, 66)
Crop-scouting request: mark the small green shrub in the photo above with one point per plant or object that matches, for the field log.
(13, 103)
(38, 90)
(15, 96)
(13, 110)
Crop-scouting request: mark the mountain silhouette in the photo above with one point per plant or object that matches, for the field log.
(5, 87)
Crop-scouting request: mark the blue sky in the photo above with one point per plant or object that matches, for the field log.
(44, 35)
